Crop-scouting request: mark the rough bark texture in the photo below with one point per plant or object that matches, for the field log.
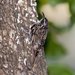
(18, 55)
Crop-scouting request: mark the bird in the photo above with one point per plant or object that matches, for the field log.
(39, 30)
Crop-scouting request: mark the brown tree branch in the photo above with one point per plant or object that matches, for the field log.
(19, 55)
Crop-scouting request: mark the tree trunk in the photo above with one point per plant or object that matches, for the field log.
(18, 55)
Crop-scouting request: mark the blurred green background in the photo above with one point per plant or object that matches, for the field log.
(60, 42)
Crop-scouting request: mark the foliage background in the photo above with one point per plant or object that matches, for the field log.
(60, 56)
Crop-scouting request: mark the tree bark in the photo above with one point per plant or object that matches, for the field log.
(18, 55)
